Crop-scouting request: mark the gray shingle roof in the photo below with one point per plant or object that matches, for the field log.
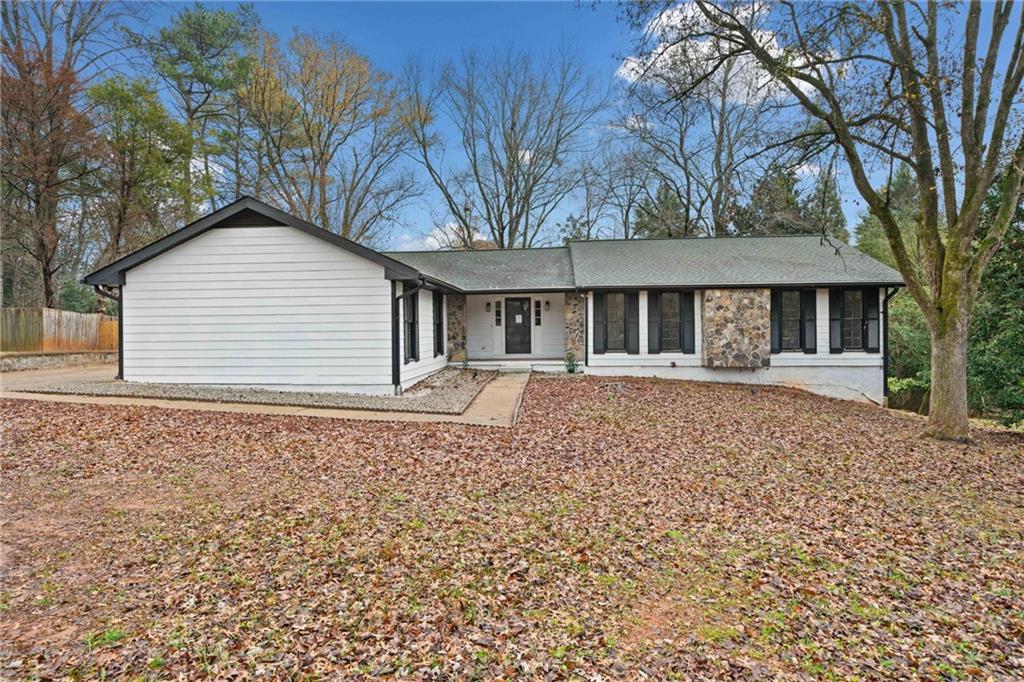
(494, 270)
(721, 262)
(724, 262)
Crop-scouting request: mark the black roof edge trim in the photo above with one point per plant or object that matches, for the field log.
(773, 285)
(109, 273)
(434, 283)
(522, 290)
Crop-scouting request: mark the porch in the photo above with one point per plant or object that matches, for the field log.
(515, 330)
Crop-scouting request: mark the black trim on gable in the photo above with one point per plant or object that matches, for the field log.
(247, 217)
(244, 212)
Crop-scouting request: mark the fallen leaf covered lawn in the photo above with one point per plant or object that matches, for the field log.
(623, 526)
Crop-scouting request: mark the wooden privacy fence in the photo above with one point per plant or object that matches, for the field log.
(48, 330)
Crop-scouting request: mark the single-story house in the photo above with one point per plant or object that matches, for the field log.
(252, 296)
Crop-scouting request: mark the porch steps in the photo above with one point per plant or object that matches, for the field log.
(515, 365)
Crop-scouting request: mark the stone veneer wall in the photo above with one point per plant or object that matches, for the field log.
(736, 328)
(575, 323)
(456, 324)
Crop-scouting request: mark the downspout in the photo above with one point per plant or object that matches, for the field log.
(885, 344)
(586, 330)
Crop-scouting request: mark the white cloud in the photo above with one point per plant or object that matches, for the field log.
(437, 239)
(807, 170)
(635, 122)
(416, 242)
(742, 77)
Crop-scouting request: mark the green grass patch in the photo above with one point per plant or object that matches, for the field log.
(105, 638)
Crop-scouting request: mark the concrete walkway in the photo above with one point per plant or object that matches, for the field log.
(496, 405)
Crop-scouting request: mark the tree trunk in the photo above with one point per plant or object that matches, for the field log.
(47, 239)
(947, 414)
(187, 170)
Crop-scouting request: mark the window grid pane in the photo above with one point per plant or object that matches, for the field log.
(410, 320)
(853, 311)
(616, 320)
(789, 320)
(670, 322)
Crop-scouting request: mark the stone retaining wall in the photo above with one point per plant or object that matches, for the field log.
(12, 362)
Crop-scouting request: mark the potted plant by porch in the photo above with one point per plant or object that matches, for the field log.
(571, 364)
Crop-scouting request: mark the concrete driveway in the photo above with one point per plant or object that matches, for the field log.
(496, 405)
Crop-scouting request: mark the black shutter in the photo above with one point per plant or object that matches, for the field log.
(686, 321)
(600, 323)
(871, 335)
(653, 322)
(410, 315)
(808, 321)
(835, 320)
(776, 315)
(633, 323)
(438, 323)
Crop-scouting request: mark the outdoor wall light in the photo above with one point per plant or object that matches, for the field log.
(547, 305)
(487, 307)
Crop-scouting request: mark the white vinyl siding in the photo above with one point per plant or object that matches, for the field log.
(486, 341)
(427, 363)
(259, 306)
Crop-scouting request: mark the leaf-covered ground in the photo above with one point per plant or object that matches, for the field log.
(677, 529)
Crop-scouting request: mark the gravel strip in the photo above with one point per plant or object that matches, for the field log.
(449, 391)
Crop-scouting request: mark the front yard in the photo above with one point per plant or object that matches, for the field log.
(622, 526)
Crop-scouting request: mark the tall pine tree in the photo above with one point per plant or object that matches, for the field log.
(774, 207)
(661, 216)
(822, 209)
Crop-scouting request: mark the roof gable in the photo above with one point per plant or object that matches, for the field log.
(245, 212)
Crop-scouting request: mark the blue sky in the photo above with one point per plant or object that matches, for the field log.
(389, 33)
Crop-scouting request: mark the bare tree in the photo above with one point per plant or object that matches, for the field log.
(628, 175)
(518, 137)
(330, 135)
(891, 82)
(670, 137)
(48, 48)
(593, 205)
(705, 137)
